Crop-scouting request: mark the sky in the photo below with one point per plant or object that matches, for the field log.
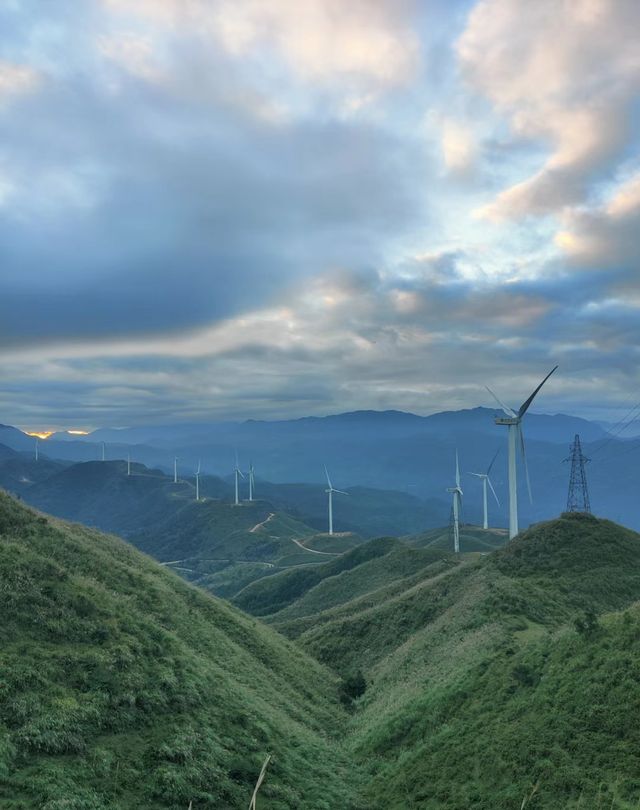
(230, 209)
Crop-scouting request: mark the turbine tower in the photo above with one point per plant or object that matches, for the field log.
(237, 473)
(175, 469)
(513, 421)
(251, 481)
(128, 463)
(457, 507)
(198, 482)
(330, 492)
(37, 444)
(484, 477)
(104, 448)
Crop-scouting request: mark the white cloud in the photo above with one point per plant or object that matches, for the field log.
(607, 235)
(17, 79)
(358, 47)
(564, 74)
(459, 148)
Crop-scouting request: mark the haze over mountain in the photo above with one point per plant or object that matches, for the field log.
(382, 450)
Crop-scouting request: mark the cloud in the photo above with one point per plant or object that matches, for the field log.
(564, 75)
(154, 197)
(16, 80)
(358, 48)
(459, 147)
(605, 235)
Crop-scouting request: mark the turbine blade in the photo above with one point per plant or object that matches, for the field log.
(492, 460)
(493, 490)
(342, 492)
(524, 459)
(326, 472)
(507, 411)
(457, 471)
(525, 405)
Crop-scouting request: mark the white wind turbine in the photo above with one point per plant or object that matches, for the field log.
(484, 477)
(251, 481)
(198, 482)
(175, 469)
(104, 451)
(457, 507)
(330, 492)
(128, 463)
(513, 421)
(37, 446)
(237, 473)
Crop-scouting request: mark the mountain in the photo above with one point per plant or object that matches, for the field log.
(506, 679)
(122, 686)
(16, 439)
(19, 471)
(101, 494)
(223, 547)
(472, 538)
(366, 511)
(388, 451)
(309, 591)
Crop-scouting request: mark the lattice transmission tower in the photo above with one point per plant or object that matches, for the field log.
(578, 497)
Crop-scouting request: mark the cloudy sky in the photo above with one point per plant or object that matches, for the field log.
(265, 208)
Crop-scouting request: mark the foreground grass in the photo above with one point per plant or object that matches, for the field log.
(121, 686)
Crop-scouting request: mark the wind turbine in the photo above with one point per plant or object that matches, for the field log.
(484, 477)
(175, 469)
(237, 472)
(128, 463)
(457, 507)
(104, 447)
(330, 492)
(251, 480)
(198, 482)
(37, 443)
(513, 421)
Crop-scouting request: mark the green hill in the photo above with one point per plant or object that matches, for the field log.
(472, 538)
(223, 547)
(122, 686)
(311, 590)
(491, 678)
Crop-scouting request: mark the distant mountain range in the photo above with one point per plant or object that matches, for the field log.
(388, 450)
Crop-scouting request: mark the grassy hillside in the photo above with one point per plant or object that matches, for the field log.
(122, 686)
(222, 547)
(472, 538)
(491, 678)
(309, 591)
(101, 494)
(366, 511)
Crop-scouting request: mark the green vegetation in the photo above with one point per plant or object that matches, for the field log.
(489, 678)
(472, 538)
(122, 686)
(471, 681)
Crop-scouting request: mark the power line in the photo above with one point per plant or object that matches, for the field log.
(618, 428)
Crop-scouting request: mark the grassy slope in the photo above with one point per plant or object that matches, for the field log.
(121, 686)
(472, 538)
(311, 590)
(479, 685)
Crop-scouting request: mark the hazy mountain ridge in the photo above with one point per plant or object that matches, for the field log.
(392, 450)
